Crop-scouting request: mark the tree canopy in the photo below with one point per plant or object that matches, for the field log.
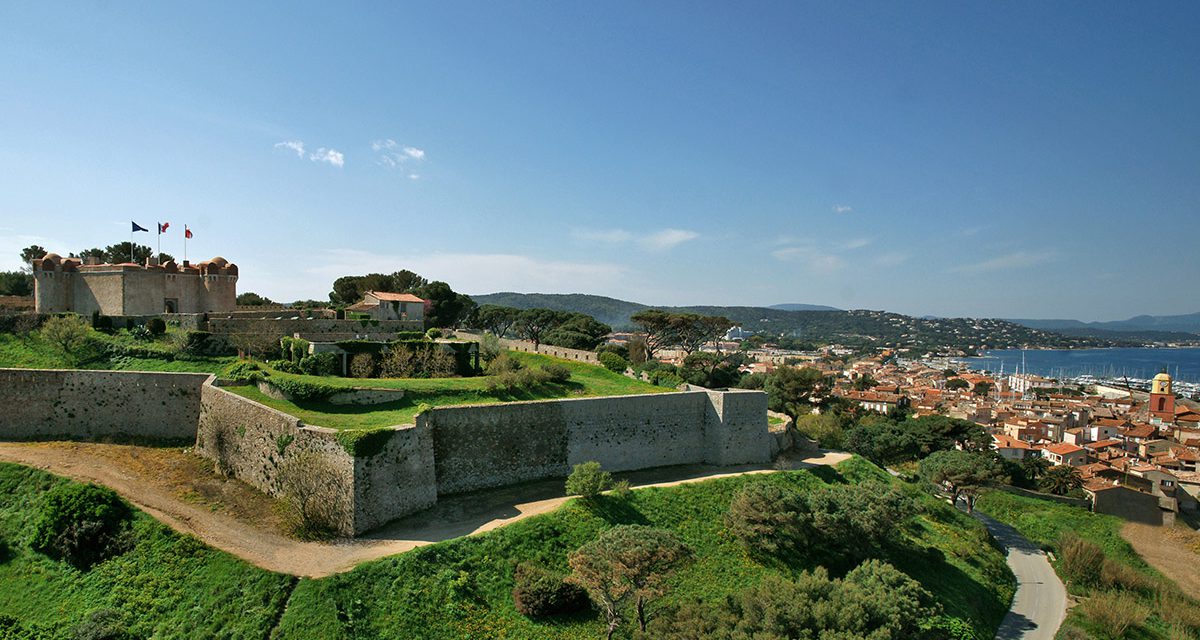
(963, 473)
(685, 331)
(795, 391)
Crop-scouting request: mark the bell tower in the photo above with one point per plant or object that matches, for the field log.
(1162, 400)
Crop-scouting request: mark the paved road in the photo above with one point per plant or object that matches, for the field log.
(1041, 601)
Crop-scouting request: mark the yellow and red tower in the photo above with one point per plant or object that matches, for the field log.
(1162, 400)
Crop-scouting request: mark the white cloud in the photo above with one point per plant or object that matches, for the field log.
(392, 154)
(812, 258)
(842, 208)
(611, 236)
(295, 145)
(332, 156)
(661, 240)
(667, 239)
(413, 176)
(857, 243)
(1015, 260)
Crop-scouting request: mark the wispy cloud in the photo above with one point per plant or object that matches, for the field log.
(661, 240)
(322, 154)
(857, 243)
(332, 156)
(11, 245)
(667, 239)
(842, 208)
(294, 145)
(1014, 260)
(891, 259)
(393, 154)
(610, 236)
(811, 257)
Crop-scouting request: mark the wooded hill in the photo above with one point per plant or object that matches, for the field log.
(858, 328)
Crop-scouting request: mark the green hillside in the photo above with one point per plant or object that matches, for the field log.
(171, 586)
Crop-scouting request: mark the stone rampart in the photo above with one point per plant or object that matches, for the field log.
(390, 474)
(320, 329)
(40, 404)
(545, 349)
(352, 396)
(374, 477)
(482, 446)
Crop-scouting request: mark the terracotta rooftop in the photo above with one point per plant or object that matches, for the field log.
(1063, 449)
(395, 297)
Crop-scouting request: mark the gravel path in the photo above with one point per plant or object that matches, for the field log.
(262, 546)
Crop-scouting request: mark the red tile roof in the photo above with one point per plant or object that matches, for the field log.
(395, 297)
(1063, 449)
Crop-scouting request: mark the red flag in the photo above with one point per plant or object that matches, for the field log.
(187, 233)
(162, 227)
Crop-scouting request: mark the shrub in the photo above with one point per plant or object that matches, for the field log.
(362, 365)
(320, 364)
(102, 323)
(156, 326)
(304, 390)
(242, 371)
(434, 333)
(766, 519)
(67, 332)
(539, 593)
(557, 373)
(141, 333)
(82, 524)
(587, 479)
(101, 624)
(1115, 612)
(1123, 576)
(1081, 561)
(613, 362)
(198, 343)
(489, 347)
(400, 362)
(503, 363)
(310, 486)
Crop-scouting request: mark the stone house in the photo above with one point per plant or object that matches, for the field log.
(382, 305)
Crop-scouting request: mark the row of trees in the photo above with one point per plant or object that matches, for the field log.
(447, 308)
(687, 332)
(541, 326)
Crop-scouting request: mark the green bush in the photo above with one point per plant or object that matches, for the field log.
(156, 326)
(101, 624)
(242, 371)
(539, 593)
(1114, 612)
(557, 373)
(410, 335)
(82, 524)
(304, 390)
(587, 479)
(613, 362)
(320, 364)
(102, 323)
(362, 365)
(503, 363)
(767, 519)
(434, 333)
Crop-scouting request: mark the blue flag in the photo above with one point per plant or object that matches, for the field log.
(138, 227)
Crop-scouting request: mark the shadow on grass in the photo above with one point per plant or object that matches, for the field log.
(614, 510)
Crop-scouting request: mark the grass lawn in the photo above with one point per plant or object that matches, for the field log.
(462, 588)
(1044, 522)
(32, 352)
(586, 381)
(165, 586)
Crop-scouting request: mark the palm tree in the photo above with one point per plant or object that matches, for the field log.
(1060, 480)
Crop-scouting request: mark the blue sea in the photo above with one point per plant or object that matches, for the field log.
(1182, 364)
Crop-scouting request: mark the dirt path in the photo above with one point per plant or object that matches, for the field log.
(181, 490)
(1175, 551)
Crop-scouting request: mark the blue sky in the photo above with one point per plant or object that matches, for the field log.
(979, 159)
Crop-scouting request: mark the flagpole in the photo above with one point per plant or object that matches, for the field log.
(131, 243)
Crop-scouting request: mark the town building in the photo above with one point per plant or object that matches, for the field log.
(382, 305)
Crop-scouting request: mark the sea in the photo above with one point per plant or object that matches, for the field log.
(1182, 364)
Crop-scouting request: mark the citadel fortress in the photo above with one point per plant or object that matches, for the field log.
(129, 289)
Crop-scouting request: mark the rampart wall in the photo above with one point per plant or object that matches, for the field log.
(374, 477)
(544, 349)
(321, 329)
(480, 446)
(39, 404)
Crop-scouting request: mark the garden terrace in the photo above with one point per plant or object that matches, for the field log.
(587, 381)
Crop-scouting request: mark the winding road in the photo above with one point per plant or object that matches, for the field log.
(1040, 604)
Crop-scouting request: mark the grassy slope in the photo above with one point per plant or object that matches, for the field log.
(586, 381)
(462, 588)
(1045, 522)
(168, 585)
(32, 352)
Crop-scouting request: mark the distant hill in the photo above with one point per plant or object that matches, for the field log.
(798, 306)
(823, 326)
(1187, 323)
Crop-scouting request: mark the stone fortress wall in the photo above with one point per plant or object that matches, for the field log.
(382, 475)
